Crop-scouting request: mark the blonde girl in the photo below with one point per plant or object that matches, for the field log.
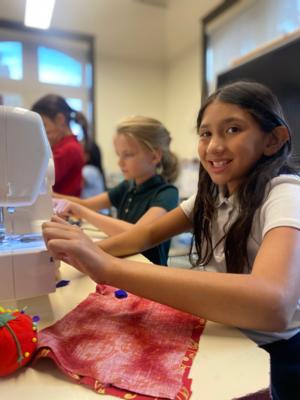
(142, 145)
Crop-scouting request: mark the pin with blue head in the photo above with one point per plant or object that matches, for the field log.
(121, 294)
(62, 283)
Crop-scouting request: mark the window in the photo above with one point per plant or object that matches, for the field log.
(34, 63)
(76, 104)
(11, 99)
(58, 68)
(224, 44)
(11, 62)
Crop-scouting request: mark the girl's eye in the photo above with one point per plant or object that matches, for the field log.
(124, 156)
(204, 134)
(233, 129)
(127, 155)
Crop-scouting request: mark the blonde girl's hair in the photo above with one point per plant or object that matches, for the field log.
(155, 136)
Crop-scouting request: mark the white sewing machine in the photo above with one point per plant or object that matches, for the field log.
(26, 179)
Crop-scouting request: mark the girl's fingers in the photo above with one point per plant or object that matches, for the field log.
(62, 252)
(59, 223)
(65, 231)
(69, 253)
(57, 204)
(62, 207)
(58, 233)
(59, 246)
(70, 244)
(57, 230)
(56, 218)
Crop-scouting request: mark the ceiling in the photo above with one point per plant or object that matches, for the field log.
(146, 30)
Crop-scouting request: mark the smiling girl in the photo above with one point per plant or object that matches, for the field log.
(246, 222)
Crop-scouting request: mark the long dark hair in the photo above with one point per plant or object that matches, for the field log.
(94, 157)
(264, 107)
(53, 104)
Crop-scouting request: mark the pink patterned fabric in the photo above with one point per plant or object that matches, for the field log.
(123, 346)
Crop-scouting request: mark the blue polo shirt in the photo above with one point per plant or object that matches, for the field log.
(133, 201)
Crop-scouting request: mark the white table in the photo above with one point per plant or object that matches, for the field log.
(227, 365)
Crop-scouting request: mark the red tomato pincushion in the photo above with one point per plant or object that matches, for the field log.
(18, 340)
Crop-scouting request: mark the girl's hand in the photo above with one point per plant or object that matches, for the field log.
(65, 208)
(70, 244)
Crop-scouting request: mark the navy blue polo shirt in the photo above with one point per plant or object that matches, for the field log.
(133, 201)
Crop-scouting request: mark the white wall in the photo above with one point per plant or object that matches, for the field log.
(170, 94)
(183, 90)
(125, 88)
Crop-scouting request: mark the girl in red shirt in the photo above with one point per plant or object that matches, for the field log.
(67, 151)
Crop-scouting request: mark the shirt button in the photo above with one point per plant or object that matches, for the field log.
(126, 210)
(130, 200)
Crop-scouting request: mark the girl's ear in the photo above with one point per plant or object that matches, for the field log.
(275, 140)
(157, 156)
(60, 119)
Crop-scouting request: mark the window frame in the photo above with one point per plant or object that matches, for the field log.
(46, 38)
(210, 17)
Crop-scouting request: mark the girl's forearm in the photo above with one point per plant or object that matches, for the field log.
(130, 242)
(110, 226)
(233, 299)
(142, 237)
(94, 203)
(74, 199)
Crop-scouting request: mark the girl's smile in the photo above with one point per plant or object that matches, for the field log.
(219, 166)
